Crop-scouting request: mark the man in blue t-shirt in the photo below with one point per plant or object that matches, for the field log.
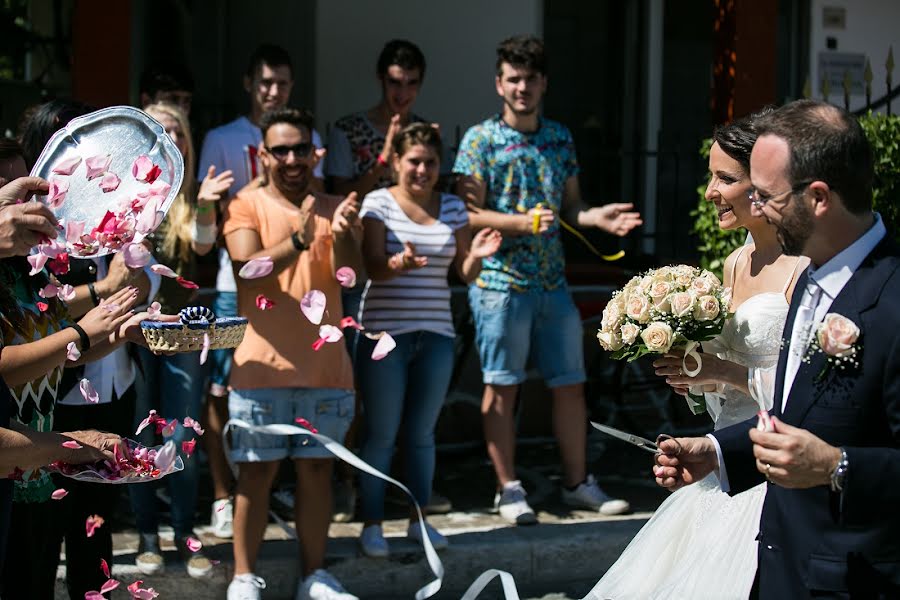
(518, 171)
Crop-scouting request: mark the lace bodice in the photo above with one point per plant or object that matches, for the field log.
(751, 337)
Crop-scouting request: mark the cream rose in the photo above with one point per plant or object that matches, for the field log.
(645, 283)
(609, 340)
(701, 286)
(638, 308)
(612, 315)
(629, 333)
(658, 292)
(707, 308)
(682, 303)
(837, 334)
(658, 337)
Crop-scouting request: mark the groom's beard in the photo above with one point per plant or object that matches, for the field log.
(795, 229)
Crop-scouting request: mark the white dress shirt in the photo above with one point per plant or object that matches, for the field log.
(825, 284)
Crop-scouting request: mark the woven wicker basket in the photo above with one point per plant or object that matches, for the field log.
(187, 336)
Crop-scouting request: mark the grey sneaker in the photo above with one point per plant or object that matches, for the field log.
(511, 504)
(589, 495)
(438, 504)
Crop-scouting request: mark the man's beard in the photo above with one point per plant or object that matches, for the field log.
(795, 229)
(299, 185)
(521, 113)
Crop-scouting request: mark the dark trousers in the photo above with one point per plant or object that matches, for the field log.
(38, 529)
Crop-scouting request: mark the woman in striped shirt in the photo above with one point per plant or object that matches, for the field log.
(413, 234)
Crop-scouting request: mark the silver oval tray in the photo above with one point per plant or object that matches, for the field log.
(125, 133)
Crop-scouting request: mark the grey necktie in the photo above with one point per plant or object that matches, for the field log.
(800, 335)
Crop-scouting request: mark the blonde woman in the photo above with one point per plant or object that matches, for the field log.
(173, 385)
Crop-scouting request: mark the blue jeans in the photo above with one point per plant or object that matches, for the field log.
(225, 305)
(173, 385)
(407, 386)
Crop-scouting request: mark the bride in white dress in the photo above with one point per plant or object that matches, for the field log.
(701, 543)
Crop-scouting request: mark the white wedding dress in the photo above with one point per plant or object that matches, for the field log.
(701, 543)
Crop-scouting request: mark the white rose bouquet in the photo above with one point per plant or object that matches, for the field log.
(676, 306)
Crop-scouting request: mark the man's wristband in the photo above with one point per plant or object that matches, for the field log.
(83, 336)
(299, 246)
(381, 161)
(204, 208)
(94, 297)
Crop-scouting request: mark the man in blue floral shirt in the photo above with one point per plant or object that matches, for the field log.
(518, 171)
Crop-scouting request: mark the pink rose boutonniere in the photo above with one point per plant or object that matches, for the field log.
(836, 337)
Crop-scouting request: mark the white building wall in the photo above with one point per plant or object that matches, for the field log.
(871, 27)
(458, 39)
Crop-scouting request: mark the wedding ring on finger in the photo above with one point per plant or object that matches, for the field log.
(680, 372)
(768, 473)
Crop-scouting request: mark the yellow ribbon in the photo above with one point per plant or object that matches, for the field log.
(536, 227)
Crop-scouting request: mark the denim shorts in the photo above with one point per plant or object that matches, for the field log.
(329, 410)
(225, 305)
(512, 326)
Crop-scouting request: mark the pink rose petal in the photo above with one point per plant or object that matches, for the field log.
(188, 447)
(159, 188)
(190, 423)
(164, 271)
(383, 347)
(318, 344)
(139, 593)
(142, 169)
(94, 595)
(92, 523)
(154, 310)
(67, 166)
(187, 283)
(105, 568)
(312, 305)
(110, 182)
(330, 333)
(59, 494)
(136, 255)
(37, 262)
(97, 165)
(72, 352)
(66, 293)
(204, 352)
(305, 424)
(88, 391)
(166, 456)
(42, 306)
(109, 586)
(350, 322)
(151, 419)
(346, 277)
(256, 268)
(169, 429)
(74, 231)
(193, 544)
(58, 190)
(72, 445)
(149, 220)
(51, 248)
(48, 291)
(263, 303)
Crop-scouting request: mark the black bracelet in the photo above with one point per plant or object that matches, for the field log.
(299, 246)
(94, 297)
(85, 340)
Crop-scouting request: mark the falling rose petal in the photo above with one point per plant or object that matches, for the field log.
(383, 347)
(163, 270)
(204, 352)
(263, 303)
(312, 305)
(88, 391)
(139, 593)
(187, 283)
(74, 231)
(60, 266)
(93, 523)
(72, 352)
(166, 456)
(42, 306)
(94, 595)
(318, 344)
(350, 322)
(256, 268)
(59, 494)
(169, 429)
(330, 333)
(154, 310)
(51, 248)
(48, 291)
(110, 182)
(105, 568)
(305, 424)
(346, 277)
(190, 423)
(151, 419)
(136, 255)
(58, 190)
(37, 262)
(109, 586)
(188, 447)
(97, 165)
(66, 293)
(72, 445)
(67, 166)
(193, 544)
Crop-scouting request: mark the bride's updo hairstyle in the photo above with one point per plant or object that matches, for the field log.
(736, 139)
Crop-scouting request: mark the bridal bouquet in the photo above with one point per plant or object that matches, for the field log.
(676, 306)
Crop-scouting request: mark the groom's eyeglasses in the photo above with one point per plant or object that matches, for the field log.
(281, 152)
(760, 200)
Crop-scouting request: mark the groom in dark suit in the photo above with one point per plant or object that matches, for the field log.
(830, 525)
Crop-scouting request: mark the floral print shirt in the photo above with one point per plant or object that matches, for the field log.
(521, 170)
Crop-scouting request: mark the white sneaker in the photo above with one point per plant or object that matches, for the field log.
(511, 504)
(414, 532)
(321, 585)
(246, 587)
(589, 495)
(220, 520)
(372, 542)
(344, 501)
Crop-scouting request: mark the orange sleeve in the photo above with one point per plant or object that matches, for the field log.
(239, 214)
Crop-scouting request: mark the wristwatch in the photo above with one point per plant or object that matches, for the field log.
(839, 475)
(298, 243)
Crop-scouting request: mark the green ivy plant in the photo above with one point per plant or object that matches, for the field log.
(883, 132)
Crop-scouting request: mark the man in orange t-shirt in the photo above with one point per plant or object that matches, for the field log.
(276, 376)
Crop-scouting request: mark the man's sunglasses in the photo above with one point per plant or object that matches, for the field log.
(281, 152)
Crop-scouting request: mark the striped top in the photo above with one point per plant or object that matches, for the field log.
(419, 299)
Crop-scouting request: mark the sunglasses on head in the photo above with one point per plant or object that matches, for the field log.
(281, 152)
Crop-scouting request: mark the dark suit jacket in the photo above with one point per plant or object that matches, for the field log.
(813, 542)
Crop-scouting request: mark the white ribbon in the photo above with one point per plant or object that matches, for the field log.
(437, 567)
(691, 351)
(510, 592)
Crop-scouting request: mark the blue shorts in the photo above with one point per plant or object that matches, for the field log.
(329, 410)
(225, 305)
(512, 326)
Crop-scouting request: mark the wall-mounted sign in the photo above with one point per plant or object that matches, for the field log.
(835, 66)
(834, 17)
